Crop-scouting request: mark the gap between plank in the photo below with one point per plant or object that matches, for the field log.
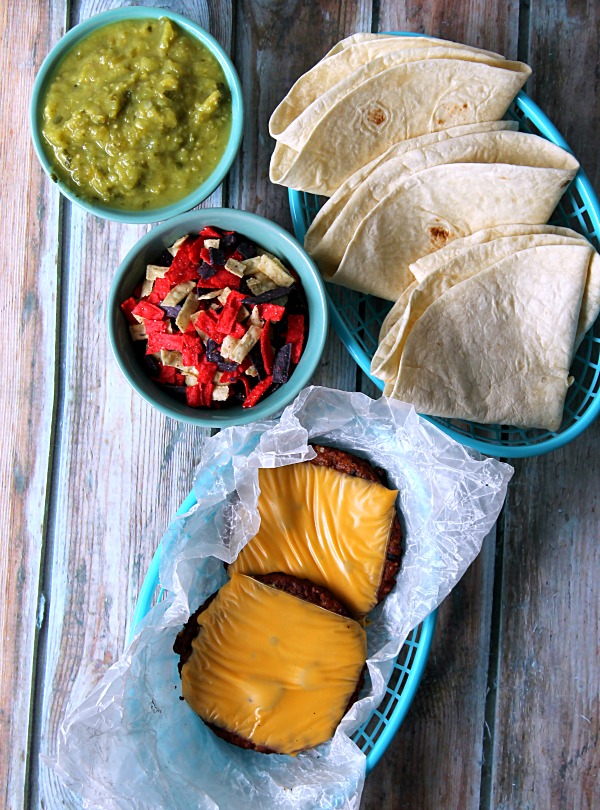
(524, 33)
(486, 792)
(375, 14)
(49, 533)
(489, 725)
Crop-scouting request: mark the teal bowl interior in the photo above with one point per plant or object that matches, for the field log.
(266, 235)
(237, 112)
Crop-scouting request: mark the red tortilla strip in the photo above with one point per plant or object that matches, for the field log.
(257, 392)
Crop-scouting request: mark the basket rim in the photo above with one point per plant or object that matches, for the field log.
(404, 698)
(491, 448)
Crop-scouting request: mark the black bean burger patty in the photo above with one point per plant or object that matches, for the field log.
(302, 589)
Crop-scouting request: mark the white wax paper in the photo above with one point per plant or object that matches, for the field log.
(133, 744)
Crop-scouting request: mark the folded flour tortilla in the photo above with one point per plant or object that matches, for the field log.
(296, 134)
(433, 261)
(438, 205)
(508, 362)
(471, 260)
(328, 247)
(334, 205)
(353, 39)
(340, 62)
(389, 100)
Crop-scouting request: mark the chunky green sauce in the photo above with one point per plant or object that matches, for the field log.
(137, 115)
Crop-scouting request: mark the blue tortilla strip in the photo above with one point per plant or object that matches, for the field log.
(229, 241)
(165, 259)
(176, 391)
(296, 304)
(213, 355)
(268, 296)
(171, 312)
(247, 249)
(206, 271)
(244, 288)
(257, 361)
(226, 365)
(216, 257)
(212, 351)
(281, 364)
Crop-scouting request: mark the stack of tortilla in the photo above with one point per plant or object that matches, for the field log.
(371, 91)
(488, 329)
(437, 205)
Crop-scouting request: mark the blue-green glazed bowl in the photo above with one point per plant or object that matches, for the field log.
(87, 27)
(265, 235)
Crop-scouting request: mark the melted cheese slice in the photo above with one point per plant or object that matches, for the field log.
(271, 667)
(323, 525)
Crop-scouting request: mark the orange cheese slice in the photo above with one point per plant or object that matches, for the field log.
(271, 667)
(325, 526)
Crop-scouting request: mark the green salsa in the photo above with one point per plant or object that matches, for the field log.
(137, 115)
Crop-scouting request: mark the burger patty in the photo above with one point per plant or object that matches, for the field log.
(302, 589)
(345, 462)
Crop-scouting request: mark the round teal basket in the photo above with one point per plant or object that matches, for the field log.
(374, 736)
(357, 317)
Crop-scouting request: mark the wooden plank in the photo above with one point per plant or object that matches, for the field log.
(436, 758)
(29, 229)
(482, 23)
(275, 44)
(546, 739)
(546, 748)
(122, 470)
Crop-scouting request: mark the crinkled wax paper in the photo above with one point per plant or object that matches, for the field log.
(134, 744)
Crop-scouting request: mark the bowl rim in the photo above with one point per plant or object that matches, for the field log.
(79, 32)
(317, 330)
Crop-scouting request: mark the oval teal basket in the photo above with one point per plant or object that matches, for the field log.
(357, 317)
(374, 736)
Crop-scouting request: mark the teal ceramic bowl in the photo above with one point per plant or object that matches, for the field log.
(93, 24)
(265, 235)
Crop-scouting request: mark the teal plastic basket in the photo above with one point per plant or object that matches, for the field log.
(357, 317)
(374, 736)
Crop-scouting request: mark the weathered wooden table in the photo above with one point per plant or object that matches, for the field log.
(508, 714)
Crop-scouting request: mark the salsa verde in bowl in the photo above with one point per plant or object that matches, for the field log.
(137, 114)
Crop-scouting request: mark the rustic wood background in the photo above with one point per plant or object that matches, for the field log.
(507, 716)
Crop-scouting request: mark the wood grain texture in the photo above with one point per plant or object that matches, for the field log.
(122, 470)
(507, 715)
(482, 23)
(564, 46)
(29, 228)
(548, 683)
(436, 758)
(547, 705)
(275, 43)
